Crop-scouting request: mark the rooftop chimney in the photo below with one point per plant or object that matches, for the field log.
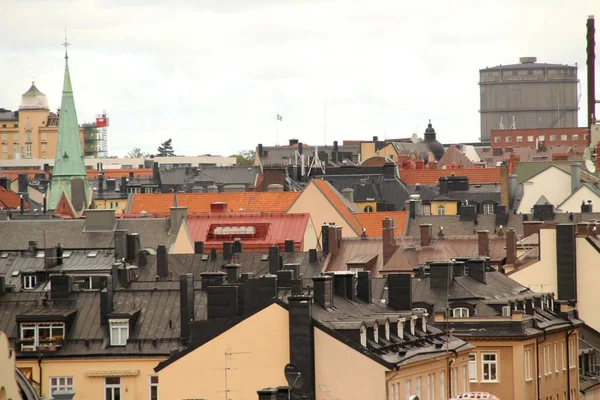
(227, 251)
(186, 304)
(120, 244)
(511, 246)
(440, 275)
(483, 241)
(591, 70)
(343, 284)
(289, 246)
(575, 176)
(399, 291)
(106, 301)
(302, 343)
(348, 193)
(133, 247)
(426, 234)
(389, 242)
(335, 239)
(477, 269)
(531, 227)
(273, 260)
(162, 262)
(325, 238)
(198, 247)
(323, 290)
(363, 287)
(233, 273)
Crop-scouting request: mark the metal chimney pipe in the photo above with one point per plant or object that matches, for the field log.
(591, 75)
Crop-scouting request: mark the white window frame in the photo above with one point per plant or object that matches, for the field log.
(508, 139)
(392, 392)
(488, 208)
(4, 137)
(363, 336)
(119, 332)
(530, 138)
(426, 209)
(376, 332)
(454, 381)
(472, 367)
(572, 353)
(442, 385)
(61, 383)
(59, 327)
(553, 138)
(575, 137)
(44, 136)
(152, 385)
(519, 139)
(497, 139)
(407, 388)
(563, 138)
(465, 379)
(441, 210)
(400, 327)
(387, 330)
(506, 311)
(528, 358)
(547, 369)
(488, 364)
(418, 386)
(29, 282)
(430, 386)
(542, 138)
(112, 386)
(555, 357)
(461, 312)
(562, 355)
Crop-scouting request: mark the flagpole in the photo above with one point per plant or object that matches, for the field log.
(277, 131)
(325, 122)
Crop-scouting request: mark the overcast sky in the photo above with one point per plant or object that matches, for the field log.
(213, 74)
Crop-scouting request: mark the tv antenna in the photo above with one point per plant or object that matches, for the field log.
(228, 355)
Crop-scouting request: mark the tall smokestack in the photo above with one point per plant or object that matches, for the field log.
(591, 76)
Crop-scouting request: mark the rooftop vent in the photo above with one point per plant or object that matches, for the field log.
(527, 60)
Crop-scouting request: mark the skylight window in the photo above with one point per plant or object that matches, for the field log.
(39, 254)
(204, 257)
(67, 254)
(234, 230)
(92, 254)
(3, 255)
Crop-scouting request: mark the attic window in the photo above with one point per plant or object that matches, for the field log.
(39, 254)
(67, 254)
(42, 336)
(3, 255)
(413, 323)
(15, 273)
(234, 230)
(460, 312)
(387, 330)
(204, 257)
(119, 332)
(376, 332)
(401, 322)
(363, 336)
(506, 311)
(92, 254)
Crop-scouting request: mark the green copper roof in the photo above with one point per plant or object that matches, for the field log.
(68, 160)
(33, 91)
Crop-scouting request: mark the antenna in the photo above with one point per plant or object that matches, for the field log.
(227, 355)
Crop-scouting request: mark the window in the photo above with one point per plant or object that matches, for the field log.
(508, 139)
(28, 150)
(392, 393)
(42, 336)
(572, 353)
(407, 389)
(368, 209)
(519, 139)
(61, 383)
(418, 386)
(547, 369)
(553, 138)
(29, 281)
(465, 382)
(497, 139)
(4, 137)
(119, 332)
(542, 138)
(43, 136)
(363, 336)
(430, 386)
(376, 332)
(43, 148)
(506, 311)
(15, 149)
(528, 365)
(442, 385)
(489, 363)
(473, 367)
(575, 137)
(112, 388)
(426, 209)
(28, 137)
(563, 138)
(441, 210)
(562, 355)
(400, 327)
(488, 208)
(387, 330)
(460, 312)
(454, 372)
(16, 137)
(555, 357)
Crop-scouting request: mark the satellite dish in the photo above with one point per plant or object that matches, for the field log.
(415, 397)
(414, 138)
(589, 165)
(293, 376)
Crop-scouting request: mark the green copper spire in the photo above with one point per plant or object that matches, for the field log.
(68, 159)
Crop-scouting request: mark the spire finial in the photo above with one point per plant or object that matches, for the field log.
(66, 44)
(429, 121)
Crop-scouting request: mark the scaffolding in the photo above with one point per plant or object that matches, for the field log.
(95, 137)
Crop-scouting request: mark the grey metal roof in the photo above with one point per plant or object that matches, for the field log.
(285, 155)
(535, 65)
(7, 115)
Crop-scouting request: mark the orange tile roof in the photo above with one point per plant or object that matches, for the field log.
(337, 201)
(13, 174)
(431, 176)
(9, 199)
(196, 203)
(372, 222)
(122, 172)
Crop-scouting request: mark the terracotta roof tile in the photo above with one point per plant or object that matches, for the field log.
(372, 222)
(431, 176)
(339, 203)
(9, 199)
(197, 203)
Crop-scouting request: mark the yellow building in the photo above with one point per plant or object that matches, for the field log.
(32, 131)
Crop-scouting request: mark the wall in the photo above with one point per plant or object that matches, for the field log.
(115, 204)
(509, 369)
(451, 207)
(397, 380)
(310, 240)
(541, 275)
(8, 385)
(553, 177)
(343, 373)
(556, 381)
(263, 343)
(530, 137)
(313, 202)
(573, 203)
(363, 204)
(588, 282)
(92, 388)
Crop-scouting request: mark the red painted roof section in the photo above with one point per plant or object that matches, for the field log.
(372, 222)
(159, 204)
(431, 176)
(271, 229)
(9, 199)
(336, 200)
(122, 172)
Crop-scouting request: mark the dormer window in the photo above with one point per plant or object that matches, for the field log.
(506, 311)
(387, 330)
(413, 324)
(376, 332)
(119, 332)
(29, 282)
(42, 336)
(460, 312)
(551, 303)
(400, 326)
(363, 336)
(424, 321)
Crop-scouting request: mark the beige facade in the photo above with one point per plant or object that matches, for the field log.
(8, 384)
(313, 202)
(260, 351)
(537, 186)
(583, 194)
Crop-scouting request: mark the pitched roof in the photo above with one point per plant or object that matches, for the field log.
(352, 248)
(9, 199)
(159, 204)
(269, 229)
(339, 202)
(453, 226)
(431, 176)
(372, 222)
(527, 170)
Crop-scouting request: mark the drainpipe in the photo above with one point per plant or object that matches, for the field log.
(537, 363)
(40, 367)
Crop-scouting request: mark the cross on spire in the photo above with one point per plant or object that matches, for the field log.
(66, 44)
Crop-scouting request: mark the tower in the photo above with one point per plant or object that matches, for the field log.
(69, 177)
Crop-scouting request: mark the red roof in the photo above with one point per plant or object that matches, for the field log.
(372, 222)
(121, 172)
(431, 176)
(159, 204)
(338, 202)
(266, 230)
(9, 199)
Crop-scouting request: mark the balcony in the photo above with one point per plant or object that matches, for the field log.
(43, 344)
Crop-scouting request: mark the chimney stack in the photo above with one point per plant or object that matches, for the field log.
(273, 260)
(198, 247)
(325, 238)
(227, 251)
(343, 285)
(399, 292)
(323, 290)
(426, 234)
(478, 269)
(483, 241)
(389, 242)
(335, 239)
(186, 304)
(511, 246)
(289, 246)
(302, 344)
(440, 275)
(363, 287)
(233, 273)
(531, 227)
(162, 262)
(575, 176)
(591, 72)
(106, 301)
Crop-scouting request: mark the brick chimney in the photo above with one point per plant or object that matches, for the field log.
(504, 185)
(511, 246)
(426, 234)
(389, 242)
(483, 243)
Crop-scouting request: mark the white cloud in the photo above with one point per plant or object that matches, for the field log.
(213, 74)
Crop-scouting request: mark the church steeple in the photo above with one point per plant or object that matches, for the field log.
(69, 166)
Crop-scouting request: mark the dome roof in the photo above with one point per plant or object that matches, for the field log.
(434, 146)
(33, 99)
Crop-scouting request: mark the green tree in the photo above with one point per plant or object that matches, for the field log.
(244, 157)
(166, 149)
(136, 152)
